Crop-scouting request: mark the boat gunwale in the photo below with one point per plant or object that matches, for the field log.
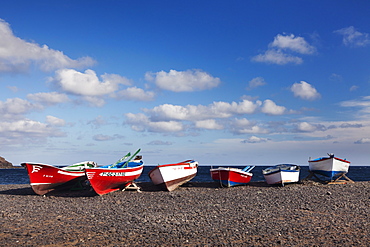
(328, 158)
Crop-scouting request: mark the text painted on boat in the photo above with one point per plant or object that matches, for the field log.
(113, 174)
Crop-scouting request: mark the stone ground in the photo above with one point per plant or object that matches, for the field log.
(196, 214)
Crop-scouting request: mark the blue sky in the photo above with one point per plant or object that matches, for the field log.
(221, 82)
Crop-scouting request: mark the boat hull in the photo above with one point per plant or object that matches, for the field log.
(330, 167)
(106, 180)
(171, 176)
(46, 178)
(229, 177)
(281, 174)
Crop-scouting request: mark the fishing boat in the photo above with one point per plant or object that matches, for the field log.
(171, 176)
(45, 178)
(281, 174)
(229, 176)
(117, 176)
(330, 166)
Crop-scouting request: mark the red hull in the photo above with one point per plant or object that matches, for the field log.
(45, 178)
(106, 180)
(231, 176)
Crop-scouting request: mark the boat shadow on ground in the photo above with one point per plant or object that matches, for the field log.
(18, 191)
(63, 193)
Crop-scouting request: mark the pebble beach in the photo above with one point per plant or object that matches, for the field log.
(196, 214)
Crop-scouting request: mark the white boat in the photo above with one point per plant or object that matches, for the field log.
(281, 174)
(330, 167)
(171, 176)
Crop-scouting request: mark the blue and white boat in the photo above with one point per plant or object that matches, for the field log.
(330, 167)
(282, 174)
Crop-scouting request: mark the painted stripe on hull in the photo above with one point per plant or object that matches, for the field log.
(106, 180)
(174, 184)
(231, 176)
(329, 167)
(46, 178)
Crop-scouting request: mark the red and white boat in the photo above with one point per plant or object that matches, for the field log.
(45, 178)
(121, 175)
(229, 176)
(171, 176)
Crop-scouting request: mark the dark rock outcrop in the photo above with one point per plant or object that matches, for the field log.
(4, 163)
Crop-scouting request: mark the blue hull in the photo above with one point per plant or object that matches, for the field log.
(329, 174)
(229, 183)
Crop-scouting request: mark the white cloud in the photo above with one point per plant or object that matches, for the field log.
(244, 126)
(183, 81)
(16, 55)
(87, 83)
(363, 141)
(281, 50)
(191, 112)
(270, 108)
(363, 104)
(277, 57)
(48, 98)
(140, 122)
(26, 128)
(116, 79)
(54, 121)
(134, 93)
(256, 82)
(17, 106)
(305, 91)
(353, 38)
(255, 139)
(290, 42)
(210, 124)
(308, 127)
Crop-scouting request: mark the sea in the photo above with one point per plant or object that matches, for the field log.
(20, 176)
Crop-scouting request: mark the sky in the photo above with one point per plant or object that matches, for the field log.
(221, 82)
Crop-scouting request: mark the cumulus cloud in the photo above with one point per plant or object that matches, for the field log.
(290, 42)
(140, 122)
(21, 130)
(87, 83)
(270, 108)
(256, 82)
(15, 106)
(51, 98)
(244, 126)
(283, 50)
(255, 139)
(277, 57)
(16, 55)
(363, 141)
(305, 91)
(353, 38)
(54, 121)
(200, 112)
(210, 124)
(134, 93)
(183, 81)
(308, 127)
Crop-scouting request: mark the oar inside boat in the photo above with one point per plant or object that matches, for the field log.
(248, 168)
(134, 155)
(120, 160)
